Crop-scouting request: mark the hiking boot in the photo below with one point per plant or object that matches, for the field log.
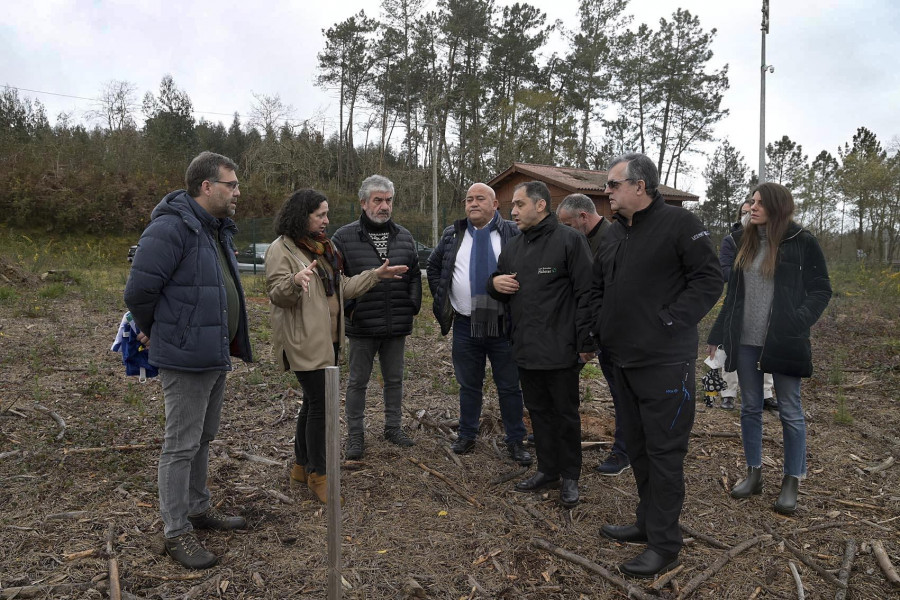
(770, 404)
(356, 446)
(216, 519)
(518, 453)
(395, 435)
(613, 465)
(727, 402)
(187, 550)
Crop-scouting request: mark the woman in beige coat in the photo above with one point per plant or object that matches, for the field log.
(307, 289)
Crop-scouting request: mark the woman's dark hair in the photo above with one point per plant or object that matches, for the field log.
(292, 219)
(779, 205)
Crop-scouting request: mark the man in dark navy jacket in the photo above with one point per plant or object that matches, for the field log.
(185, 294)
(656, 275)
(458, 270)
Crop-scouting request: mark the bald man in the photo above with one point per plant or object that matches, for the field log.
(458, 270)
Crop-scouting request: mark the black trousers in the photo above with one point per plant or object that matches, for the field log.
(552, 400)
(309, 438)
(657, 415)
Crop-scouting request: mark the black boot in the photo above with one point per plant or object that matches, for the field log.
(751, 486)
(787, 499)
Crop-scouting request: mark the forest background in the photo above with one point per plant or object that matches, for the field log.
(426, 76)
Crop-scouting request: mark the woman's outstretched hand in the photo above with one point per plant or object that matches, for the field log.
(385, 271)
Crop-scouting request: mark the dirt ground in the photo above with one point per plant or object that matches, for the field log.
(71, 499)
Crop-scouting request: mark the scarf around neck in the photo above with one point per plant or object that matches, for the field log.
(319, 245)
(486, 311)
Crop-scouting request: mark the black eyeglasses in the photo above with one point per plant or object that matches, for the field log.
(231, 184)
(614, 184)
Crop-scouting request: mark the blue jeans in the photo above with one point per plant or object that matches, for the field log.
(790, 411)
(193, 404)
(469, 359)
(362, 357)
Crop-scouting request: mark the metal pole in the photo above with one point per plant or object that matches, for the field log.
(333, 469)
(434, 195)
(762, 94)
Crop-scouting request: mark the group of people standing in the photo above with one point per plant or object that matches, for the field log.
(538, 296)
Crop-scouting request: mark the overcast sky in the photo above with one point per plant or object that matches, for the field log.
(835, 63)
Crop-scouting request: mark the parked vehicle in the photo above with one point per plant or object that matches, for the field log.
(424, 252)
(253, 253)
(252, 257)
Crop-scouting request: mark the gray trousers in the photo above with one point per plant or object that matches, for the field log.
(193, 404)
(362, 357)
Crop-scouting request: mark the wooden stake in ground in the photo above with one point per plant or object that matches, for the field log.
(333, 468)
(115, 589)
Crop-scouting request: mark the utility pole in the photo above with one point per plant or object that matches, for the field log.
(762, 93)
(434, 193)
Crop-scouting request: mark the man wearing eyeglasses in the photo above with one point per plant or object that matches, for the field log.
(656, 275)
(185, 294)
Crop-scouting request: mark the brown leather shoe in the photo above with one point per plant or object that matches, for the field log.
(318, 484)
(298, 474)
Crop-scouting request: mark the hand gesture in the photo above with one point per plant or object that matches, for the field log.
(302, 278)
(385, 271)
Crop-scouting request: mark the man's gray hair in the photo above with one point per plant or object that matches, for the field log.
(576, 203)
(639, 168)
(375, 183)
(205, 167)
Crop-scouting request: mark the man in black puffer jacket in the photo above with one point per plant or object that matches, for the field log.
(379, 321)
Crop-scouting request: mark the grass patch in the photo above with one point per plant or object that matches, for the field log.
(52, 291)
(8, 294)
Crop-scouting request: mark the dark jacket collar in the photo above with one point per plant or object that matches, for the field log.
(640, 215)
(546, 226)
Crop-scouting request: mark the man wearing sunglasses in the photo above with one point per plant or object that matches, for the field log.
(185, 294)
(656, 275)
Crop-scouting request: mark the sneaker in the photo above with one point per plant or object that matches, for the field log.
(395, 435)
(356, 446)
(708, 400)
(727, 403)
(519, 454)
(613, 465)
(770, 404)
(187, 550)
(216, 519)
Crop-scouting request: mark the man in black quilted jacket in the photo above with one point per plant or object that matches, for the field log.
(378, 322)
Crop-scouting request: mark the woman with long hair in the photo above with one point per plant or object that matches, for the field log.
(307, 288)
(778, 289)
